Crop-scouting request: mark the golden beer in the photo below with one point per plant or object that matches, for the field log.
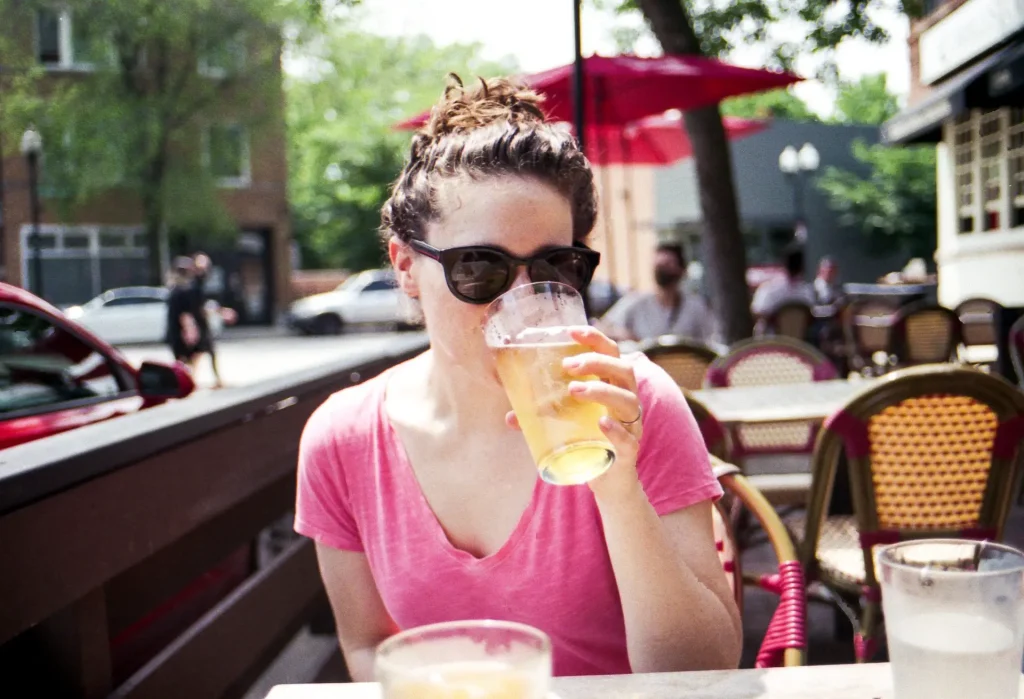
(468, 680)
(561, 430)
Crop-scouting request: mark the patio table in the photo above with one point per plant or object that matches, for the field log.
(869, 681)
(801, 402)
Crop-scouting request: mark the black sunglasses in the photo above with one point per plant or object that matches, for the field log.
(481, 273)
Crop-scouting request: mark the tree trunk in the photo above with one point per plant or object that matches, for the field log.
(153, 212)
(724, 250)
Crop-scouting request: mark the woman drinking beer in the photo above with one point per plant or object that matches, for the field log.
(418, 488)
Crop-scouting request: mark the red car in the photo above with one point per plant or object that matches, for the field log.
(56, 376)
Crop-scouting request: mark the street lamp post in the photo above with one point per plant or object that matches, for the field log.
(31, 147)
(796, 164)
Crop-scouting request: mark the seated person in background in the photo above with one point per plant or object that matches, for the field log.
(666, 311)
(792, 288)
(827, 290)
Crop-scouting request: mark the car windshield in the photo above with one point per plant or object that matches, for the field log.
(353, 282)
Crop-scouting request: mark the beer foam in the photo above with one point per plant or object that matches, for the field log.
(529, 337)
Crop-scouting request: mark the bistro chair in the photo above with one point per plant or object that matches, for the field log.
(1016, 345)
(867, 326)
(924, 334)
(770, 361)
(685, 361)
(978, 322)
(779, 488)
(785, 642)
(932, 451)
(793, 319)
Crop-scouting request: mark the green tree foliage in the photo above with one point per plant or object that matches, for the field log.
(866, 101)
(894, 205)
(775, 104)
(148, 78)
(344, 151)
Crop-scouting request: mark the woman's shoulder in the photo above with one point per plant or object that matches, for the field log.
(346, 416)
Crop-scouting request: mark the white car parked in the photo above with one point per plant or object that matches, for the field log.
(136, 314)
(370, 297)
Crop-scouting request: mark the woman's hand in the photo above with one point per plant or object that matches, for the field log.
(616, 389)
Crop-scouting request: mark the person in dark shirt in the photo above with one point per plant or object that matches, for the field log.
(199, 303)
(182, 329)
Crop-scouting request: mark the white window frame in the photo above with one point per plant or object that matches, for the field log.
(244, 180)
(65, 43)
(978, 209)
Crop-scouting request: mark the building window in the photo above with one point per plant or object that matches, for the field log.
(227, 155)
(991, 150)
(963, 152)
(988, 158)
(225, 59)
(1015, 155)
(68, 42)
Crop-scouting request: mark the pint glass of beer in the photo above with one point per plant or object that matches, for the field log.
(465, 660)
(527, 329)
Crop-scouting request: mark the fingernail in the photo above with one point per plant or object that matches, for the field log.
(605, 422)
(577, 387)
(570, 363)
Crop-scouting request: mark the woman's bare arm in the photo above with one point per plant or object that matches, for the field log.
(359, 612)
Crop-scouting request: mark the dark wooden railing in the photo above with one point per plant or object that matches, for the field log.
(126, 556)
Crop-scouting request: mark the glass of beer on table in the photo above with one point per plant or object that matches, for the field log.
(954, 618)
(465, 660)
(527, 329)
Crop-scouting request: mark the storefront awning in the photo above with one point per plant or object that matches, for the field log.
(970, 88)
(1007, 78)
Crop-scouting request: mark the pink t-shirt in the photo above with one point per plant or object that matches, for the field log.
(358, 492)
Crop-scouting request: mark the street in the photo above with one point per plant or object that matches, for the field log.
(251, 356)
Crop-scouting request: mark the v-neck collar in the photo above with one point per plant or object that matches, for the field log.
(404, 470)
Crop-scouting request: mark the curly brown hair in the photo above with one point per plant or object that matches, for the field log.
(494, 127)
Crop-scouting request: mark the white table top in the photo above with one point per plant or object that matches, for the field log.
(780, 403)
(871, 681)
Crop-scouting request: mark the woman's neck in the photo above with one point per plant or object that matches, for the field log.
(457, 399)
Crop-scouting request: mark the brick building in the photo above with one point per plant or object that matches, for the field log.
(967, 97)
(101, 245)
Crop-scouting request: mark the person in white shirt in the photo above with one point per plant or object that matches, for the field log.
(826, 290)
(791, 288)
(669, 310)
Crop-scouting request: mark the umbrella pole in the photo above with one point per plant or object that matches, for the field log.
(606, 191)
(578, 83)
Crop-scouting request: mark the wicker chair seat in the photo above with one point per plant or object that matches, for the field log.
(840, 557)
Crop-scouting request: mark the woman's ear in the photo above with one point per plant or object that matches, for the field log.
(402, 258)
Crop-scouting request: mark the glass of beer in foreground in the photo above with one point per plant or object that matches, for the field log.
(953, 617)
(465, 660)
(527, 329)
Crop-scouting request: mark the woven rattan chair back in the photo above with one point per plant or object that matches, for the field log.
(685, 361)
(925, 334)
(791, 320)
(771, 361)
(932, 451)
(978, 321)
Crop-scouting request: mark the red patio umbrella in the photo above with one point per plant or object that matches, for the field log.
(622, 89)
(656, 140)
